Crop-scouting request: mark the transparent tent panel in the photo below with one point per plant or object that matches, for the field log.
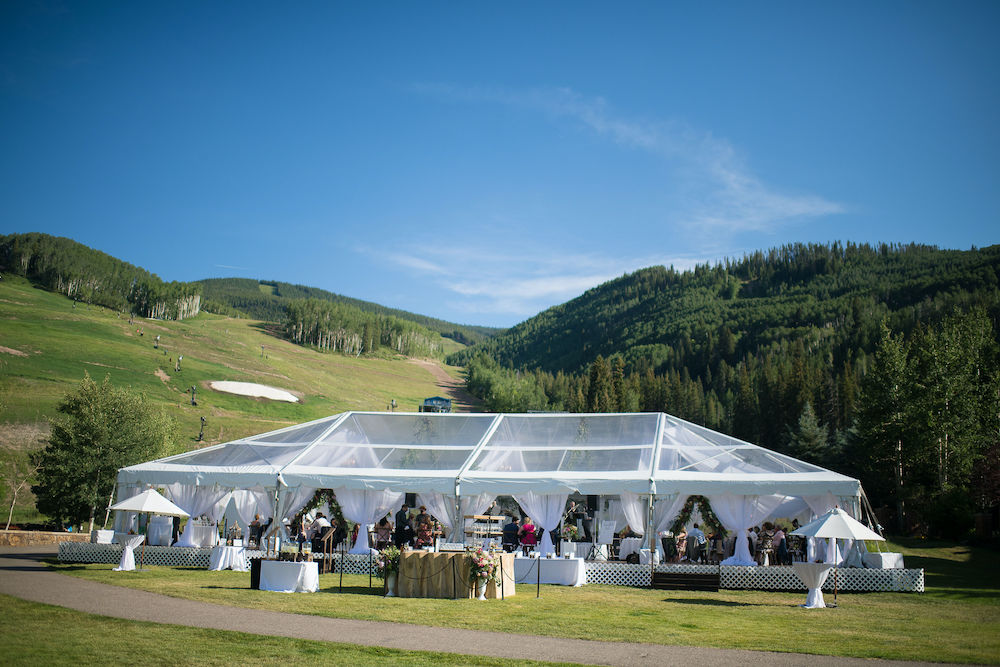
(440, 430)
(237, 454)
(533, 459)
(348, 456)
(568, 430)
(305, 433)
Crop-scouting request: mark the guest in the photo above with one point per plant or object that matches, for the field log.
(421, 517)
(354, 534)
(298, 535)
(781, 547)
(681, 539)
(319, 528)
(404, 532)
(527, 535)
(383, 533)
(696, 539)
(424, 538)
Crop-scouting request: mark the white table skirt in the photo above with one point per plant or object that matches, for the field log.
(289, 577)
(884, 561)
(159, 531)
(199, 535)
(813, 575)
(228, 558)
(562, 571)
(129, 542)
(629, 545)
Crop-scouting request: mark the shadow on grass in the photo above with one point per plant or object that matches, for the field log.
(720, 603)
(354, 590)
(954, 571)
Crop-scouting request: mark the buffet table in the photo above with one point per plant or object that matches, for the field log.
(813, 575)
(289, 577)
(446, 575)
(228, 558)
(159, 531)
(199, 535)
(562, 571)
(884, 560)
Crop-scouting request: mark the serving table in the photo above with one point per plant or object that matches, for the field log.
(159, 531)
(289, 577)
(883, 561)
(562, 571)
(424, 574)
(198, 534)
(228, 558)
(813, 575)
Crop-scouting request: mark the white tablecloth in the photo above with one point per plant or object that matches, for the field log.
(884, 561)
(228, 558)
(562, 571)
(199, 535)
(101, 536)
(159, 531)
(288, 577)
(813, 575)
(629, 545)
(130, 542)
(582, 550)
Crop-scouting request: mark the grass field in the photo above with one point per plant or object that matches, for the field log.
(47, 344)
(956, 620)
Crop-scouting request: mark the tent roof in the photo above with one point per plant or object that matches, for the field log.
(499, 453)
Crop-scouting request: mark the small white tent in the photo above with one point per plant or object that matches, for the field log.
(458, 462)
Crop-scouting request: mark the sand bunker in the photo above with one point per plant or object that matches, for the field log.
(253, 389)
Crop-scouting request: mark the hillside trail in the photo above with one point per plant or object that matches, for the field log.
(461, 400)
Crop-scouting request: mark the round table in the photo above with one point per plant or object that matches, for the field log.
(813, 575)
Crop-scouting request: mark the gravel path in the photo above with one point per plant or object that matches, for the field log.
(23, 575)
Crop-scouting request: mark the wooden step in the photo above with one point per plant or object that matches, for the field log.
(677, 581)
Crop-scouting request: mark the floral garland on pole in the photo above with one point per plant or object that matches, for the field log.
(711, 521)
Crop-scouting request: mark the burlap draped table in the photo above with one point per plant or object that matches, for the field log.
(446, 575)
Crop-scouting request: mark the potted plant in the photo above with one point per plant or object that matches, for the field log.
(387, 568)
(483, 567)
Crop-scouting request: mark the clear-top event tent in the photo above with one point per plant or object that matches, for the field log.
(458, 463)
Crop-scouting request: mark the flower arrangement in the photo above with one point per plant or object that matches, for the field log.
(484, 565)
(570, 532)
(387, 561)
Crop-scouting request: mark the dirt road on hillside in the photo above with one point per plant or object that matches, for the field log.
(461, 400)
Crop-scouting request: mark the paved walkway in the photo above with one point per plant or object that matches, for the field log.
(23, 575)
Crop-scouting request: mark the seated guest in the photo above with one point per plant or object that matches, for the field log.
(319, 528)
(526, 533)
(383, 533)
(509, 538)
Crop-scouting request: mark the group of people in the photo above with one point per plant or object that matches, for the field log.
(416, 531)
(322, 533)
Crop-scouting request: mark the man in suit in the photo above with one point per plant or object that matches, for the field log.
(404, 531)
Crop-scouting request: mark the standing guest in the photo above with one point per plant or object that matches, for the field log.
(422, 516)
(319, 528)
(404, 533)
(781, 546)
(681, 540)
(424, 538)
(697, 541)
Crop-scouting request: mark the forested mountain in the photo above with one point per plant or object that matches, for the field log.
(81, 273)
(774, 348)
(268, 300)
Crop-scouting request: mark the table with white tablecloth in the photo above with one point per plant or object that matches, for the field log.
(129, 542)
(629, 545)
(197, 534)
(562, 571)
(289, 577)
(228, 558)
(883, 560)
(582, 550)
(159, 531)
(813, 575)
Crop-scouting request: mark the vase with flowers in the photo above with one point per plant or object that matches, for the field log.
(387, 568)
(483, 567)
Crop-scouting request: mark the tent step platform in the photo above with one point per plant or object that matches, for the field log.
(686, 581)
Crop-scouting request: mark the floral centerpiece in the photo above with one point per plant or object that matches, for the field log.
(484, 565)
(570, 532)
(387, 562)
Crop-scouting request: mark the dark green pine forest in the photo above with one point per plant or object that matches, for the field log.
(868, 360)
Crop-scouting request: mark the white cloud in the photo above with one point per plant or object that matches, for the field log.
(722, 194)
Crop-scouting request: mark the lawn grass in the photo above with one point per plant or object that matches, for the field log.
(40, 634)
(957, 620)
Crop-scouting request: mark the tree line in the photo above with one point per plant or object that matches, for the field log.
(84, 274)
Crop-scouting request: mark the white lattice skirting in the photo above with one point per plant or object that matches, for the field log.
(613, 573)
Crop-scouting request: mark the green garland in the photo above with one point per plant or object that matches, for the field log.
(711, 521)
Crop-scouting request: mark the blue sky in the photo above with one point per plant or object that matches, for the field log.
(480, 162)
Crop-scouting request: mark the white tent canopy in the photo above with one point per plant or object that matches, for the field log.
(465, 454)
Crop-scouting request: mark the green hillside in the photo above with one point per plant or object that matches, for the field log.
(48, 343)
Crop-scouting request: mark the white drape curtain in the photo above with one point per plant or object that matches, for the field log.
(249, 502)
(634, 507)
(546, 510)
(820, 549)
(442, 508)
(126, 521)
(196, 501)
(365, 506)
(616, 513)
(737, 513)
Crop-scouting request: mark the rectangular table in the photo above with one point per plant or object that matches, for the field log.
(883, 560)
(562, 571)
(228, 558)
(159, 531)
(199, 535)
(289, 577)
(446, 575)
